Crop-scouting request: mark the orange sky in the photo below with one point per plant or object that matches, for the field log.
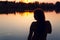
(53, 1)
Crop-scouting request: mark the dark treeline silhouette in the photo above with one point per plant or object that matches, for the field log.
(9, 7)
(57, 7)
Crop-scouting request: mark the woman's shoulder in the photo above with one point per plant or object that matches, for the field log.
(33, 26)
(47, 22)
(33, 23)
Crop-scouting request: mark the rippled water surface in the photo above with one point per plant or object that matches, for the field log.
(16, 26)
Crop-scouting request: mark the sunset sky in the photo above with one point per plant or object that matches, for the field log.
(17, 26)
(26, 1)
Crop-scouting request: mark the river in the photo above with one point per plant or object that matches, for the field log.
(16, 26)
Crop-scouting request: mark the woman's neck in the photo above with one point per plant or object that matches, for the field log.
(40, 20)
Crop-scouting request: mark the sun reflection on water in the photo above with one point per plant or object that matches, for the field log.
(25, 13)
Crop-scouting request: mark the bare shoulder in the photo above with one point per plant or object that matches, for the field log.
(48, 27)
(48, 22)
(33, 25)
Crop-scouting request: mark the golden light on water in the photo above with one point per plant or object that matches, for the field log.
(25, 13)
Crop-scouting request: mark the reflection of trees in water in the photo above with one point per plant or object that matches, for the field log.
(10, 7)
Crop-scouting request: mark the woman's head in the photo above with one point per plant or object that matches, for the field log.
(39, 15)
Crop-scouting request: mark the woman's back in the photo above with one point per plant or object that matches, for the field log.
(39, 30)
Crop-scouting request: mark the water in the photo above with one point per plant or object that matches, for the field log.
(16, 26)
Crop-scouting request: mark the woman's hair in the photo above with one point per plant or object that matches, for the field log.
(39, 14)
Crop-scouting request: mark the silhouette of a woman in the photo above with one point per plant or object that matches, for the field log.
(38, 29)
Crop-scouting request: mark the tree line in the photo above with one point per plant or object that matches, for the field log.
(6, 6)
